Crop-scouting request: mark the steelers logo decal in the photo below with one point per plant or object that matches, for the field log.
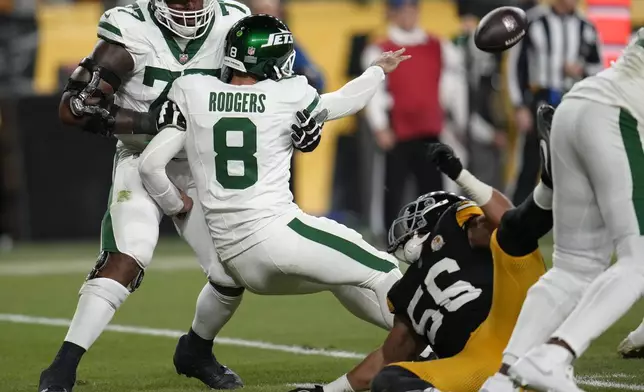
(437, 243)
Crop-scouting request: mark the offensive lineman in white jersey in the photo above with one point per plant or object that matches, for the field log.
(598, 170)
(236, 132)
(141, 49)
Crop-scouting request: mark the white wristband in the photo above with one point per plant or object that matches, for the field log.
(542, 195)
(478, 191)
(340, 385)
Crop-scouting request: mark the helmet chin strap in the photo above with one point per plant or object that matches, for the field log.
(186, 31)
(411, 251)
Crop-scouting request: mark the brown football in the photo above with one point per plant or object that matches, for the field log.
(501, 29)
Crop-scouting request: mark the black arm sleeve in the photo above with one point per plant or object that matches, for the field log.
(593, 56)
(522, 227)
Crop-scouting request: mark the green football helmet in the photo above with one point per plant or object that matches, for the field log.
(259, 45)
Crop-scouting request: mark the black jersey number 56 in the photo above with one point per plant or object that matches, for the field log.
(448, 300)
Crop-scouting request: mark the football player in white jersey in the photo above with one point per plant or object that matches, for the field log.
(598, 177)
(237, 134)
(141, 49)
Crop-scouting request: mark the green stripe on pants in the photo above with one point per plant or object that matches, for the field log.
(635, 154)
(341, 245)
(108, 243)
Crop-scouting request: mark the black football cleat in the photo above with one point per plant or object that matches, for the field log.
(545, 113)
(55, 381)
(202, 365)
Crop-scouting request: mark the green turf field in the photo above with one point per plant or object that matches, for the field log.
(41, 283)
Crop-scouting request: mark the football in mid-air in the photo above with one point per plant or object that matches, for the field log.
(501, 29)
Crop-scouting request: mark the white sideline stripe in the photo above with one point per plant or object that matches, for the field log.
(75, 266)
(594, 380)
(57, 322)
(591, 382)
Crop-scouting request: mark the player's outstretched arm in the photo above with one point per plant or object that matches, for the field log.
(355, 95)
(522, 227)
(401, 344)
(493, 203)
(164, 146)
(87, 101)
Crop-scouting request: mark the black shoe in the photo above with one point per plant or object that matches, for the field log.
(203, 365)
(54, 380)
(545, 113)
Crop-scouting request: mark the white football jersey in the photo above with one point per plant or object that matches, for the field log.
(621, 84)
(159, 57)
(239, 148)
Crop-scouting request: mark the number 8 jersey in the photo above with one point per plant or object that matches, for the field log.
(239, 147)
(447, 294)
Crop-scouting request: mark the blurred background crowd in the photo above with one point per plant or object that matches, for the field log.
(54, 181)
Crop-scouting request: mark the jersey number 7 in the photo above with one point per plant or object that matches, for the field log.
(449, 300)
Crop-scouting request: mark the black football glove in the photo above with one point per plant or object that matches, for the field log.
(98, 114)
(445, 159)
(545, 114)
(316, 388)
(306, 135)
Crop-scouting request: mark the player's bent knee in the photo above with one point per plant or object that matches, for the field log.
(110, 290)
(382, 289)
(227, 291)
(397, 379)
(118, 267)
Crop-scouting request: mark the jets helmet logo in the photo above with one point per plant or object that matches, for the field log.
(282, 38)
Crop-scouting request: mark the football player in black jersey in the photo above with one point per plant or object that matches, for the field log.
(463, 292)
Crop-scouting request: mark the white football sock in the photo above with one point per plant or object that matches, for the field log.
(546, 306)
(99, 300)
(605, 301)
(213, 311)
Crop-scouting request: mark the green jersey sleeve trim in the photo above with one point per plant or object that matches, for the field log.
(109, 40)
(313, 105)
(109, 27)
(225, 5)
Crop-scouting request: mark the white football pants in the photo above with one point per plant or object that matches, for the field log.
(131, 224)
(309, 254)
(598, 170)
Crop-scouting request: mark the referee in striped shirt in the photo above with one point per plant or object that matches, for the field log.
(560, 48)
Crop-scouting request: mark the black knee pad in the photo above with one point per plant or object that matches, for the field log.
(228, 291)
(397, 379)
(102, 262)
